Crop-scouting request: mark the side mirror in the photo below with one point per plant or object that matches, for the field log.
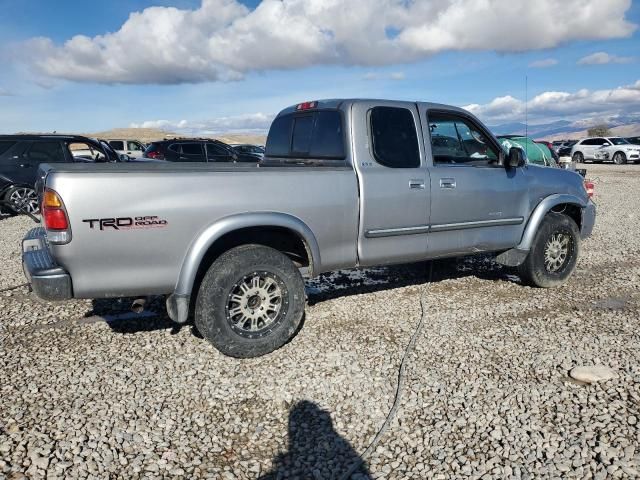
(517, 158)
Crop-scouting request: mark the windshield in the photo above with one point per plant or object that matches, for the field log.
(618, 141)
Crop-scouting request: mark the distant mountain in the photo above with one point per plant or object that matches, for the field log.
(626, 126)
(536, 131)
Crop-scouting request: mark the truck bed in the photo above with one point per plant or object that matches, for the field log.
(182, 201)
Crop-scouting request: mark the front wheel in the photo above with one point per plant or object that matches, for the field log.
(250, 301)
(554, 252)
(619, 158)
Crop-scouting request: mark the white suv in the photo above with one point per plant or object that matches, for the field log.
(131, 148)
(597, 149)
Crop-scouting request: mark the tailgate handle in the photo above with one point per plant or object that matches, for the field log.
(447, 183)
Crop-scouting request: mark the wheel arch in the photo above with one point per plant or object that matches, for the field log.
(569, 205)
(278, 230)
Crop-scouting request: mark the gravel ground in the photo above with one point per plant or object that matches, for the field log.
(88, 390)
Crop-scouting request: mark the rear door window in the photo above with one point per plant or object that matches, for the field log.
(46, 152)
(394, 137)
(191, 152)
(307, 135)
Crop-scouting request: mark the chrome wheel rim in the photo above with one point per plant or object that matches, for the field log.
(24, 199)
(556, 252)
(256, 304)
(617, 158)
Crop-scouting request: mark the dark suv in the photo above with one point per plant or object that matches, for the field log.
(195, 150)
(20, 156)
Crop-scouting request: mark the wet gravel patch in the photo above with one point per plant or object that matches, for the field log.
(88, 389)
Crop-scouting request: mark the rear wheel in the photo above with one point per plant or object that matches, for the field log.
(554, 252)
(250, 301)
(619, 158)
(22, 199)
(578, 157)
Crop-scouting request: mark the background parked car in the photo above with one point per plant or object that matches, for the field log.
(130, 148)
(565, 149)
(20, 156)
(598, 149)
(557, 144)
(633, 140)
(249, 149)
(195, 150)
(537, 153)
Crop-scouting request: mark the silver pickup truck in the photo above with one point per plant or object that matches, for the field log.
(344, 183)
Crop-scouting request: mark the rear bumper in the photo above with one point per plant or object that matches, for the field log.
(48, 280)
(588, 220)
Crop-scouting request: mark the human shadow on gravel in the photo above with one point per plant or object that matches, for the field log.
(315, 449)
(369, 280)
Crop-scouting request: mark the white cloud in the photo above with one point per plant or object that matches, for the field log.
(397, 76)
(258, 122)
(567, 105)
(603, 58)
(547, 62)
(223, 39)
(5, 93)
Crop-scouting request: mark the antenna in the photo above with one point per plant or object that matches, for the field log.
(526, 112)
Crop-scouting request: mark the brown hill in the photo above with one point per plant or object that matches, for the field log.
(630, 130)
(147, 135)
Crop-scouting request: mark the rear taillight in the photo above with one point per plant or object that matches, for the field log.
(55, 218)
(589, 187)
(155, 155)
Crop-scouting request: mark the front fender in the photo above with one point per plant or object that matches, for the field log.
(213, 232)
(540, 211)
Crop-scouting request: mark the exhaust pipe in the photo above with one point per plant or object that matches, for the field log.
(138, 305)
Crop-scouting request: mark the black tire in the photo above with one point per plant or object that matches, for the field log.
(619, 158)
(228, 275)
(578, 157)
(535, 271)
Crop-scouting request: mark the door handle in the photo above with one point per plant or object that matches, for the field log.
(447, 183)
(416, 183)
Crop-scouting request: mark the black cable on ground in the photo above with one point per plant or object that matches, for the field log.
(399, 387)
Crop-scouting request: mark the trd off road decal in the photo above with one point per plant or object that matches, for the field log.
(126, 223)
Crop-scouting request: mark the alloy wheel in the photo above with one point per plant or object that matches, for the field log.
(256, 304)
(24, 199)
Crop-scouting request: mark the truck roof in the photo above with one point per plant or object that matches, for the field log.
(339, 103)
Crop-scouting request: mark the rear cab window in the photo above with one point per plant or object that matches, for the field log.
(309, 134)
